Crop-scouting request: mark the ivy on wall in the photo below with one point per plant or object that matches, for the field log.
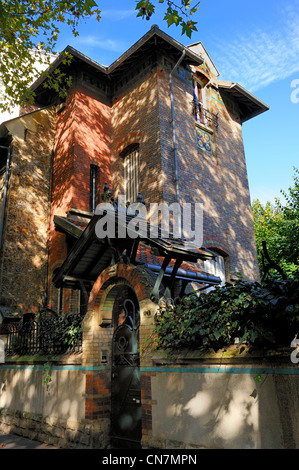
(264, 314)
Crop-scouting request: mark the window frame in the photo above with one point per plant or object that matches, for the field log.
(200, 101)
(93, 187)
(131, 172)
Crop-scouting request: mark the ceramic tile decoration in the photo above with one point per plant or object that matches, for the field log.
(203, 140)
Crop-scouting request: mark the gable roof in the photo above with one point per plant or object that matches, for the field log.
(199, 49)
(155, 38)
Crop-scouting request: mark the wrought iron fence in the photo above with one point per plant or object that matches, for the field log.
(204, 115)
(55, 335)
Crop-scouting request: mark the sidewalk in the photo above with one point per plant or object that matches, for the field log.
(12, 441)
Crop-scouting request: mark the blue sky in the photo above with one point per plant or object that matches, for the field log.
(254, 43)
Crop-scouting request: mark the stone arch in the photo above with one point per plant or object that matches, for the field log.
(138, 278)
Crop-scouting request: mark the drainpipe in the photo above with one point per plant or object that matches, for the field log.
(173, 129)
(4, 193)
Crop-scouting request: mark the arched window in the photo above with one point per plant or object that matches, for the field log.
(131, 172)
(216, 267)
(219, 267)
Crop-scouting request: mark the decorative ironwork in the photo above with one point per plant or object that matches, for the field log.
(205, 116)
(29, 337)
(125, 386)
(125, 338)
(108, 198)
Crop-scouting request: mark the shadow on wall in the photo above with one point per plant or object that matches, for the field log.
(217, 410)
(135, 119)
(25, 252)
(83, 138)
(217, 179)
(61, 397)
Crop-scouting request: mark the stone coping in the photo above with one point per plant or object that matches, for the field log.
(62, 359)
(230, 355)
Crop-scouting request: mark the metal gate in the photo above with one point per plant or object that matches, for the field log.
(125, 383)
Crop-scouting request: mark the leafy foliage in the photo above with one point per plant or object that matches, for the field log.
(278, 226)
(180, 14)
(65, 329)
(29, 31)
(260, 314)
(28, 36)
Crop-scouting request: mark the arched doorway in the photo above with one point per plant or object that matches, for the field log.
(126, 413)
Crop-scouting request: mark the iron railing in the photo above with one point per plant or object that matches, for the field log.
(47, 336)
(204, 116)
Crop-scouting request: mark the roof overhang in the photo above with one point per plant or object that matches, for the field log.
(90, 255)
(154, 39)
(249, 105)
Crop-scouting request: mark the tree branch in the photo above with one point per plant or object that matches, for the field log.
(272, 263)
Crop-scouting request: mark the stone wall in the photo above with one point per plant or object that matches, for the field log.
(51, 412)
(223, 401)
(235, 403)
(24, 258)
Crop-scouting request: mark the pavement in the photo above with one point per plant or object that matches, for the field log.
(13, 441)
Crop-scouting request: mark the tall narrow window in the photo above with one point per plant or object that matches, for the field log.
(60, 300)
(131, 174)
(199, 100)
(216, 268)
(94, 172)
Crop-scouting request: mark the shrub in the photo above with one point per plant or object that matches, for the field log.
(260, 314)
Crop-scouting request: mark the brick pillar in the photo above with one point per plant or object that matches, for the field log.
(98, 395)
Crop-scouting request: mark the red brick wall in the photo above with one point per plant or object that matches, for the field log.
(83, 137)
(97, 404)
(135, 118)
(217, 180)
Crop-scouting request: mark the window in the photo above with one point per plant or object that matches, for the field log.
(131, 174)
(94, 173)
(60, 300)
(199, 100)
(216, 268)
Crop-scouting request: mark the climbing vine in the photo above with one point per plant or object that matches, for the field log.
(63, 329)
(260, 314)
(47, 379)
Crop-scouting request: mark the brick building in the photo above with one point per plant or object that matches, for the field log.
(157, 121)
